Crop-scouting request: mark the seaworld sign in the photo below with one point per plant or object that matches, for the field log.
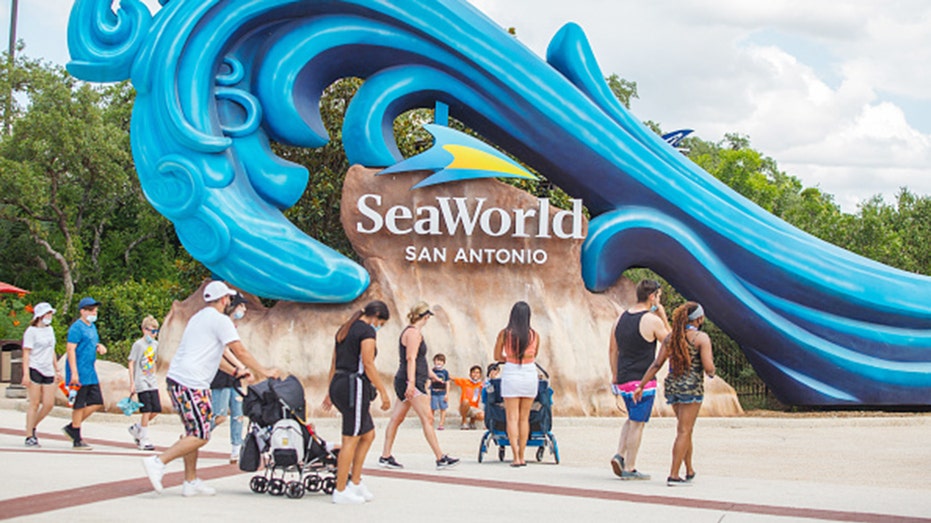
(451, 215)
(492, 221)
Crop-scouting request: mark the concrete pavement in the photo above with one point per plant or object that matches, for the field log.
(749, 469)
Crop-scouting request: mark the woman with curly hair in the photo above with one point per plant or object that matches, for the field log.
(689, 353)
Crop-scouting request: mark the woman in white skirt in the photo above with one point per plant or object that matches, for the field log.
(517, 346)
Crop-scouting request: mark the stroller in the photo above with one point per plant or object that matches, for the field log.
(541, 420)
(296, 459)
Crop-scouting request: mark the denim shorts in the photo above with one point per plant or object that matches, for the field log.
(438, 402)
(672, 399)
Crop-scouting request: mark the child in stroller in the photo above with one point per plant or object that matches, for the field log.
(280, 437)
(541, 419)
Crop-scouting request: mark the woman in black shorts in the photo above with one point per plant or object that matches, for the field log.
(353, 378)
(41, 368)
(410, 385)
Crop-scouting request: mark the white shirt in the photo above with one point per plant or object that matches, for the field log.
(198, 358)
(41, 341)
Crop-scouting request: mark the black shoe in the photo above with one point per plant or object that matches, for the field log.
(71, 432)
(446, 462)
(390, 463)
(677, 482)
(80, 445)
(689, 477)
(31, 441)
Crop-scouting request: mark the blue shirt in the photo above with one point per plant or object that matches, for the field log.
(86, 338)
(438, 388)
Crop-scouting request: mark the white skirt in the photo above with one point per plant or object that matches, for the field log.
(519, 381)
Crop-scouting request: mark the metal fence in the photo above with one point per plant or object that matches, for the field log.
(734, 368)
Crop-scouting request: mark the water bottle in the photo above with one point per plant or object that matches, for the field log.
(72, 394)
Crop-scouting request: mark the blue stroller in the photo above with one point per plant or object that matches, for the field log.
(541, 420)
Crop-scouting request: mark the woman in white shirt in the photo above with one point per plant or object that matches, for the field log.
(39, 359)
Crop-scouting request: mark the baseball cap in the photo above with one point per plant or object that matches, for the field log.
(216, 290)
(41, 309)
(87, 302)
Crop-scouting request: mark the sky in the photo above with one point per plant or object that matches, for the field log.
(838, 93)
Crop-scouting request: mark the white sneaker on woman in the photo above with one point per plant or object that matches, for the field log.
(197, 488)
(361, 490)
(347, 497)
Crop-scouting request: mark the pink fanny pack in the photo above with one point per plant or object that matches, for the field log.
(630, 386)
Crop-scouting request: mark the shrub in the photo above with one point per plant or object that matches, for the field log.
(123, 306)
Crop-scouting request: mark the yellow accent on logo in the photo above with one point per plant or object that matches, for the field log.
(465, 157)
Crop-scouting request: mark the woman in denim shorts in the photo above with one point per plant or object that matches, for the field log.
(690, 358)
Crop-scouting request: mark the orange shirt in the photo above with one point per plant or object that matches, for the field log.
(471, 391)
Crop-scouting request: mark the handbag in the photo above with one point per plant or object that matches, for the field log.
(249, 455)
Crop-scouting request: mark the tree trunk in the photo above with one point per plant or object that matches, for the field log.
(67, 278)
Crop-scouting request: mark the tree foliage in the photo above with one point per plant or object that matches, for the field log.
(72, 214)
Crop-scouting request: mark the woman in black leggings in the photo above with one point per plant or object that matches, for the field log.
(353, 379)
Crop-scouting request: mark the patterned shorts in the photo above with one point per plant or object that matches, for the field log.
(195, 408)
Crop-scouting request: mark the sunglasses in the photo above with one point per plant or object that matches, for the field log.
(153, 331)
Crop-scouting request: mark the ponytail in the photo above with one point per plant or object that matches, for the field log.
(375, 308)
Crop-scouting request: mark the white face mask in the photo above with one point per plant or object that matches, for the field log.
(92, 318)
(238, 315)
(47, 320)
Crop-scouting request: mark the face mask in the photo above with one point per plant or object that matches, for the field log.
(92, 318)
(47, 321)
(376, 327)
(149, 339)
(238, 315)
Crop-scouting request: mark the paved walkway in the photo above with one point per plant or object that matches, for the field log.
(750, 469)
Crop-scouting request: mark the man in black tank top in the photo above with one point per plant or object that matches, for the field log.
(632, 349)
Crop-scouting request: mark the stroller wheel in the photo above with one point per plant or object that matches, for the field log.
(329, 485)
(539, 453)
(500, 453)
(294, 490)
(312, 483)
(259, 484)
(276, 487)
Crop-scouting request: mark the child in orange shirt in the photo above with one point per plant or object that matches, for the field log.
(471, 396)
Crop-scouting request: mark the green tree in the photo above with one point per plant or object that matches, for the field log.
(67, 177)
(624, 90)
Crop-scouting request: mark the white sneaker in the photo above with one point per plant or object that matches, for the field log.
(360, 490)
(234, 453)
(145, 444)
(155, 469)
(347, 497)
(197, 488)
(136, 432)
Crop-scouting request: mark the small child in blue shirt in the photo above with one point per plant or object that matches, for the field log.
(439, 388)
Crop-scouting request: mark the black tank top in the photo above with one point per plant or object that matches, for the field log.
(420, 371)
(634, 354)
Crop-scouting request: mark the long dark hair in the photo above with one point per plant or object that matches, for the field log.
(376, 308)
(518, 329)
(679, 358)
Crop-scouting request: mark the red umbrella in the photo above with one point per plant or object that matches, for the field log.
(6, 288)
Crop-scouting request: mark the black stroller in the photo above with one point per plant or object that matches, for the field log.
(541, 420)
(296, 459)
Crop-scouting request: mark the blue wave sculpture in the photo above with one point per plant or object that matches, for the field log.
(218, 79)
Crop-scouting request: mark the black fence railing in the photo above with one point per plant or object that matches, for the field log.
(734, 368)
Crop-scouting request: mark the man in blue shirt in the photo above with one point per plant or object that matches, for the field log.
(83, 347)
